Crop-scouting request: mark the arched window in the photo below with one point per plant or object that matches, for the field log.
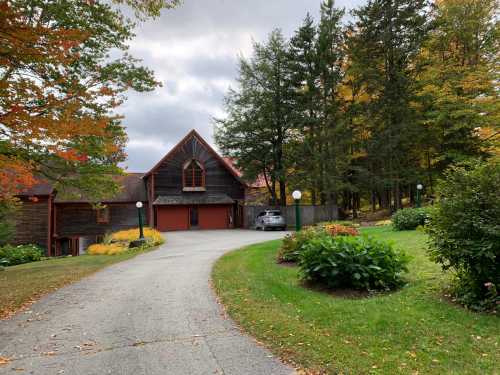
(194, 174)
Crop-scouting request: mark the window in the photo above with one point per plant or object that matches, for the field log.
(103, 215)
(194, 175)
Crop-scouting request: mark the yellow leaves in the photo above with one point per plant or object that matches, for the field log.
(133, 234)
(4, 361)
(106, 249)
(412, 354)
(119, 241)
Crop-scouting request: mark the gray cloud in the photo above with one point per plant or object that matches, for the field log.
(194, 51)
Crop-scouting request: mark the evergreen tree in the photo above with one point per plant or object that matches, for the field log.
(384, 41)
(335, 136)
(260, 116)
(304, 148)
(316, 59)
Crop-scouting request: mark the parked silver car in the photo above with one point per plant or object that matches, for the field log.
(270, 219)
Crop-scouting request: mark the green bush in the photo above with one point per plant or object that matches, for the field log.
(292, 244)
(410, 218)
(7, 227)
(352, 262)
(464, 232)
(13, 255)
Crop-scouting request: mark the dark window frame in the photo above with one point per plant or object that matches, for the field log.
(103, 215)
(189, 178)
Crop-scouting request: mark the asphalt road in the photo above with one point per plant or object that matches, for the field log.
(154, 314)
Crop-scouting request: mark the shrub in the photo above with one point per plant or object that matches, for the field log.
(464, 232)
(410, 218)
(13, 255)
(8, 209)
(352, 262)
(340, 230)
(106, 249)
(152, 236)
(292, 244)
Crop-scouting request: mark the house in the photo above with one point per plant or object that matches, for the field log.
(191, 187)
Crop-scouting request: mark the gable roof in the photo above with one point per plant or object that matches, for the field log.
(40, 188)
(195, 134)
(260, 181)
(132, 186)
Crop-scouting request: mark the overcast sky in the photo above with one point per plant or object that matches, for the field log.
(194, 51)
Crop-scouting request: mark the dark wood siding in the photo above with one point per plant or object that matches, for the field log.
(32, 222)
(168, 176)
(80, 219)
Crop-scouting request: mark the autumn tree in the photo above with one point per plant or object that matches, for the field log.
(59, 90)
(459, 83)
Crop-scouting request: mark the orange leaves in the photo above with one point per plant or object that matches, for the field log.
(72, 155)
(4, 360)
(15, 176)
(341, 230)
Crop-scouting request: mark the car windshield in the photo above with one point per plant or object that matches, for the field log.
(274, 213)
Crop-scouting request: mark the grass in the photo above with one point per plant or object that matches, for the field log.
(412, 331)
(21, 285)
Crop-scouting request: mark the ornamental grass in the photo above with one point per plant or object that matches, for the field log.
(106, 249)
(118, 242)
(152, 235)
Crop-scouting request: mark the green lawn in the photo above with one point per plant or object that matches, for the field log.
(20, 285)
(412, 331)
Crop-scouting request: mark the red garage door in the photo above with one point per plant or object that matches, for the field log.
(214, 217)
(172, 218)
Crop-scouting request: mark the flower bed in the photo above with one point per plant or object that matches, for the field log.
(119, 242)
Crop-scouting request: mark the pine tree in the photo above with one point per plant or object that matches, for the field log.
(260, 116)
(384, 41)
(335, 135)
(304, 148)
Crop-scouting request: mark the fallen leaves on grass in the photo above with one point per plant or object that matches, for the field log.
(4, 360)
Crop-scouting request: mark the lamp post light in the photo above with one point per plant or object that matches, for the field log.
(296, 196)
(141, 230)
(419, 191)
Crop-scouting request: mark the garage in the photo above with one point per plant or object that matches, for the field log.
(172, 218)
(194, 211)
(214, 217)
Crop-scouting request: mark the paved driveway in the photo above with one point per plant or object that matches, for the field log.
(154, 314)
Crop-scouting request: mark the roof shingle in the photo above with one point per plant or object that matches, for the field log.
(189, 199)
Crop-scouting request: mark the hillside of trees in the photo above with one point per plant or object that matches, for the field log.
(359, 112)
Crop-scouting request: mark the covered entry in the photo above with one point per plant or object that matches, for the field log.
(194, 211)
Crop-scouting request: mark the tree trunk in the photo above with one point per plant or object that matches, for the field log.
(282, 192)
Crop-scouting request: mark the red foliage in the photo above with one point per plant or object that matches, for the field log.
(341, 230)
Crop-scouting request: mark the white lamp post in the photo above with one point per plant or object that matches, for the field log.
(296, 195)
(419, 190)
(141, 231)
